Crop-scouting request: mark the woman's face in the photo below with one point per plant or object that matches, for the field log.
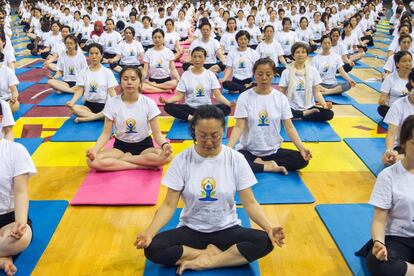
(95, 56)
(269, 33)
(243, 41)
(326, 44)
(128, 35)
(130, 82)
(208, 134)
(55, 28)
(231, 25)
(335, 37)
(303, 24)
(198, 58)
(250, 21)
(70, 44)
(158, 39)
(206, 31)
(405, 44)
(404, 30)
(86, 21)
(300, 55)
(409, 148)
(109, 26)
(287, 26)
(405, 63)
(264, 75)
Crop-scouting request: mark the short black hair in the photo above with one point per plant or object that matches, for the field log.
(206, 112)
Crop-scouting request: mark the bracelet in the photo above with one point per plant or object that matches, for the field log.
(165, 143)
(379, 242)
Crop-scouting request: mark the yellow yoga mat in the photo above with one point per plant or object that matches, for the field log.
(48, 125)
(355, 127)
(57, 154)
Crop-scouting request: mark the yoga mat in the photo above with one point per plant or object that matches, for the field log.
(179, 131)
(43, 81)
(349, 226)
(379, 69)
(231, 97)
(37, 65)
(23, 109)
(340, 99)
(370, 110)
(276, 188)
(340, 79)
(20, 71)
(361, 65)
(55, 99)
(313, 132)
(370, 151)
(132, 187)
(31, 144)
(78, 132)
(24, 85)
(380, 48)
(251, 269)
(178, 64)
(376, 85)
(45, 215)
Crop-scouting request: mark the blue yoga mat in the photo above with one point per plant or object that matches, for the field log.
(231, 97)
(179, 131)
(78, 132)
(361, 65)
(20, 71)
(21, 49)
(370, 151)
(37, 65)
(251, 269)
(24, 85)
(376, 85)
(55, 99)
(313, 132)
(349, 226)
(31, 144)
(340, 99)
(340, 79)
(276, 188)
(379, 69)
(45, 215)
(370, 110)
(43, 81)
(23, 109)
(29, 56)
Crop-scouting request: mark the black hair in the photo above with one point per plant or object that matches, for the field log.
(406, 132)
(410, 80)
(1, 57)
(204, 23)
(335, 30)
(346, 24)
(264, 61)
(206, 112)
(131, 29)
(231, 19)
(298, 45)
(404, 36)
(242, 33)
(109, 19)
(408, 25)
(169, 20)
(96, 45)
(267, 27)
(146, 17)
(199, 49)
(73, 38)
(399, 55)
(325, 37)
(304, 18)
(286, 19)
(158, 30)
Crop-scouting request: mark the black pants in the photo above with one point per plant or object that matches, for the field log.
(369, 38)
(182, 111)
(347, 67)
(322, 116)
(167, 247)
(383, 110)
(279, 70)
(108, 55)
(400, 250)
(207, 66)
(312, 48)
(292, 160)
(237, 85)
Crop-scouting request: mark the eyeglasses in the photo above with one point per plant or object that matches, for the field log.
(204, 137)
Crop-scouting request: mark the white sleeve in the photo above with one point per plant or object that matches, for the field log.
(284, 79)
(182, 86)
(394, 114)
(108, 111)
(12, 78)
(80, 80)
(386, 85)
(215, 84)
(241, 107)
(174, 177)
(339, 61)
(229, 60)
(286, 111)
(315, 77)
(146, 57)
(112, 82)
(59, 64)
(381, 195)
(23, 163)
(389, 64)
(8, 119)
(243, 173)
(153, 110)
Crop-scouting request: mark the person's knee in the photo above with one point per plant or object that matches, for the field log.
(345, 86)
(168, 108)
(155, 255)
(388, 268)
(329, 115)
(262, 246)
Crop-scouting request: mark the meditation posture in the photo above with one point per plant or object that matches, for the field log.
(259, 113)
(134, 117)
(8, 85)
(206, 177)
(16, 166)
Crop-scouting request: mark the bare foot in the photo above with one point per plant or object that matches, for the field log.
(200, 263)
(77, 120)
(310, 111)
(272, 166)
(7, 265)
(212, 250)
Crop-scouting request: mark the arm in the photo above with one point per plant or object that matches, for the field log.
(174, 72)
(145, 71)
(116, 58)
(220, 55)
(102, 140)
(58, 75)
(21, 198)
(390, 138)
(8, 133)
(78, 93)
(220, 98)
(237, 131)
(346, 76)
(156, 131)
(14, 93)
(378, 234)
(319, 97)
(176, 98)
(294, 137)
(227, 73)
(345, 59)
(112, 92)
(283, 60)
(254, 210)
(283, 89)
(383, 98)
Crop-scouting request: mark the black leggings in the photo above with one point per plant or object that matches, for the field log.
(237, 85)
(167, 247)
(383, 110)
(400, 250)
(322, 116)
(347, 67)
(292, 160)
(182, 111)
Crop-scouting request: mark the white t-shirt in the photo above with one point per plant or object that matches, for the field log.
(390, 64)
(182, 28)
(339, 49)
(211, 47)
(130, 52)
(286, 40)
(96, 84)
(242, 63)
(394, 191)
(398, 112)
(327, 67)
(86, 31)
(159, 62)
(131, 120)
(317, 29)
(298, 101)
(208, 186)
(228, 41)
(394, 86)
(273, 51)
(350, 41)
(304, 35)
(110, 41)
(170, 39)
(8, 78)
(7, 119)
(14, 161)
(146, 36)
(254, 33)
(71, 65)
(264, 114)
(198, 87)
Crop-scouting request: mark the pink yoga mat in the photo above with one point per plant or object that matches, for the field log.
(178, 64)
(134, 187)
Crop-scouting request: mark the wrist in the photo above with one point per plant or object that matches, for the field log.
(381, 242)
(163, 144)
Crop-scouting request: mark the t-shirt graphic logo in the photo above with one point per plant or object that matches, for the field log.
(242, 63)
(325, 68)
(300, 86)
(404, 93)
(109, 43)
(131, 126)
(181, 29)
(71, 71)
(159, 64)
(287, 42)
(171, 42)
(232, 42)
(263, 118)
(208, 189)
(131, 53)
(199, 89)
(93, 87)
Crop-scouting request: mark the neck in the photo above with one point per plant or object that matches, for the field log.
(408, 164)
(197, 69)
(402, 73)
(207, 155)
(158, 47)
(242, 48)
(299, 65)
(130, 97)
(326, 51)
(263, 90)
(94, 67)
